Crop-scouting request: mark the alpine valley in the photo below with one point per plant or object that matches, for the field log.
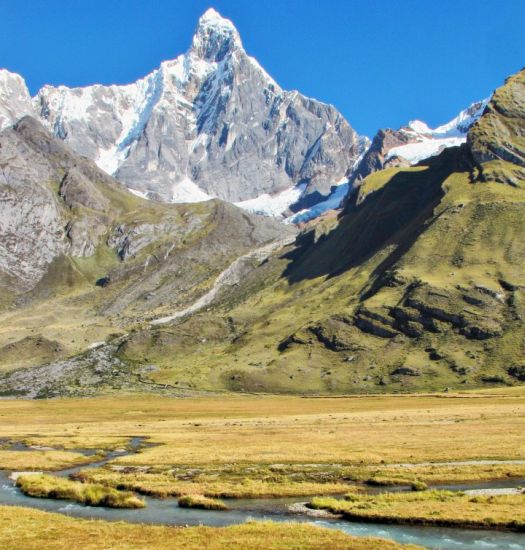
(203, 230)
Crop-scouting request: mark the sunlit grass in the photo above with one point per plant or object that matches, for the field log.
(91, 494)
(264, 446)
(431, 508)
(40, 460)
(215, 483)
(35, 530)
(201, 502)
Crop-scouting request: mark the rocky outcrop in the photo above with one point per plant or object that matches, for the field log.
(428, 309)
(517, 372)
(35, 228)
(15, 101)
(498, 135)
(375, 158)
(58, 204)
(405, 371)
(77, 190)
(84, 375)
(31, 225)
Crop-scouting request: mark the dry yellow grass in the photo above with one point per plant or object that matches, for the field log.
(273, 429)
(264, 445)
(35, 530)
(201, 502)
(432, 508)
(40, 460)
(223, 485)
(324, 443)
(437, 474)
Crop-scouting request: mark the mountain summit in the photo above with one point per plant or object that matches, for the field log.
(210, 123)
(215, 37)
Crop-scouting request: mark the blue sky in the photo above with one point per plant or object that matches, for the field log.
(379, 62)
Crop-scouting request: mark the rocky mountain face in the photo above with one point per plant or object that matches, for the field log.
(32, 230)
(69, 232)
(497, 139)
(211, 123)
(15, 101)
(51, 204)
(415, 142)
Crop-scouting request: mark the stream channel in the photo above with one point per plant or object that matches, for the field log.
(166, 511)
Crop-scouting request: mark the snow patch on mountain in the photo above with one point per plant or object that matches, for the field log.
(273, 205)
(141, 194)
(187, 191)
(332, 202)
(427, 147)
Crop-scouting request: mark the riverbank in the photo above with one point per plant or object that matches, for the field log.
(441, 508)
(34, 530)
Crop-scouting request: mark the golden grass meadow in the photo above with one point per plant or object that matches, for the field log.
(269, 446)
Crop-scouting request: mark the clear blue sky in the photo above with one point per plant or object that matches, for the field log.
(379, 62)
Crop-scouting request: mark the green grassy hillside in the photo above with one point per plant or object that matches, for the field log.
(126, 260)
(417, 286)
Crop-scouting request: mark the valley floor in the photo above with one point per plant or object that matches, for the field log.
(267, 446)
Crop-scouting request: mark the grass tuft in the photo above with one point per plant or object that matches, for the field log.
(91, 494)
(446, 508)
(201, 502)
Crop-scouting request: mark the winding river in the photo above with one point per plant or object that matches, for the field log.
(166, 511)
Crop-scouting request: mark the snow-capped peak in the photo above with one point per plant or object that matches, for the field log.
(6, 75)
(426, 142)
(456, 127)
(215, 37)
(209, 123)
(212, 17)
(461, 124)
(419, 127)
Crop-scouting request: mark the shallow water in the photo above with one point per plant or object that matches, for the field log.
(167, 512)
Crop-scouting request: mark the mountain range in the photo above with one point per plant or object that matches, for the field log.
(213, 124)
(126, 263)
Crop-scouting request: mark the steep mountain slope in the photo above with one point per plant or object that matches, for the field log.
(211, 123)
(81, 257)
(391, 148)
(497, 141)
(418, 286)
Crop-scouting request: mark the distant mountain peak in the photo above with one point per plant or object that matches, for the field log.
(457, 127)
(215, 37)
(416, 141)
(209, 123)
(211, 17)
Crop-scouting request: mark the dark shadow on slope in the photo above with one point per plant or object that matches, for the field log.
(395, 216)
(311, 200)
